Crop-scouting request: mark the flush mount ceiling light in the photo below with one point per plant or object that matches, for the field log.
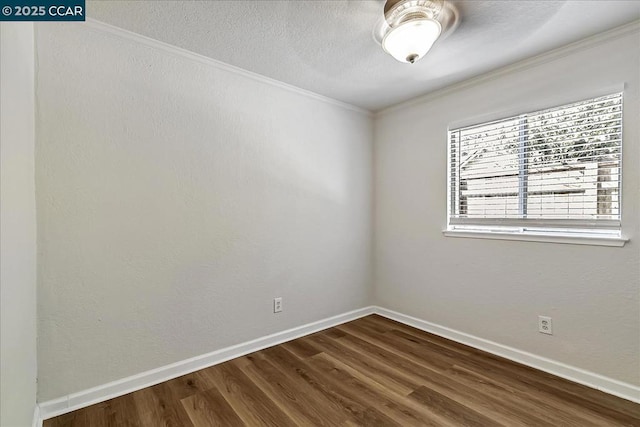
(410, 27)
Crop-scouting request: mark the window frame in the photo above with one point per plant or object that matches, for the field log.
(603, 232)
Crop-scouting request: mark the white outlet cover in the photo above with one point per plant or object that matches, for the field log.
(277, 305)
(545, 325)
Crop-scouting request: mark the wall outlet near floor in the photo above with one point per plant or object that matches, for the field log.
(277, 305)
(545, 325)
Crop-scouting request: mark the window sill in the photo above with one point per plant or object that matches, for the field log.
(539, 237)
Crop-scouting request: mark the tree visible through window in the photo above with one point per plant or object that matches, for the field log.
(558, 167)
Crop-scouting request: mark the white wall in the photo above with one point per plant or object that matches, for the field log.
(176, 199)
(17, 226)
(496, 289)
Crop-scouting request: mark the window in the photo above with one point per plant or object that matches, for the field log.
(551, 171)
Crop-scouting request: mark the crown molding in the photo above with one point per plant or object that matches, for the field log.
(531, 62)
(103, 27)
(534, 61)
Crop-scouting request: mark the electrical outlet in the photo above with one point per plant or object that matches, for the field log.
(545, 325)
(277, 305)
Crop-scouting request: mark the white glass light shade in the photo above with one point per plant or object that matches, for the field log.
(411, 40)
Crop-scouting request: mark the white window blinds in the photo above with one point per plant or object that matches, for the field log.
(556, 168)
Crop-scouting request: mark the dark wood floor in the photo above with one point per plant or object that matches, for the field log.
(370, 372)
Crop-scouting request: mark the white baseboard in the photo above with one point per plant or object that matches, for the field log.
(590, 379)
(37, 419)
(74, 401)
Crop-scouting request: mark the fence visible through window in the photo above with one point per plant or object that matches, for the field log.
(560, 166)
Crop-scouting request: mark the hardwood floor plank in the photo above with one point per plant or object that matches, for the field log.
(114, 412)
(322, 401)
(451, 409)
(73, 419)
(152, 411)
(369, 372)
(359, 412)
(434, 339)
(399, 407)
(511, 371)
(373, 324)
(429, 358)
(348, 384)
(387, 375)
(249, 402)
(160, 406)
(301, 348)
(503, 410)
(535, 406)
(332, 333)
(209, 408)
(417, 349)
(187, 385)
(595, 396)
(286, 394)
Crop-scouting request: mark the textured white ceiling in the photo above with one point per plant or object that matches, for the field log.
(327, 46)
